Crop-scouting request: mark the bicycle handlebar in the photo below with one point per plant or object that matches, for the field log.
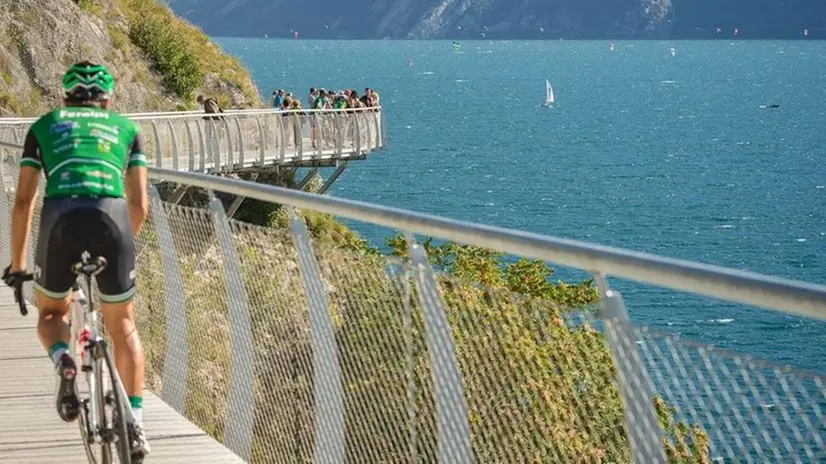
(16, 279)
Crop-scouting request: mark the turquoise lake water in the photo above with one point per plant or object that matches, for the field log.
(643, 150)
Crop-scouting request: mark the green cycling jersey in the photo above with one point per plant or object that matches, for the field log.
(83, 151)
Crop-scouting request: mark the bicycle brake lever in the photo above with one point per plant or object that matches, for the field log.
(18, 295)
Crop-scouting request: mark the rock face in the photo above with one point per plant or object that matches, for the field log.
(506, 19)
(39, 39)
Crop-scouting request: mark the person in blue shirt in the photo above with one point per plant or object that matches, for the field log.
(277, 98)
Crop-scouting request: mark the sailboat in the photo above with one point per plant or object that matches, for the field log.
(549, 94)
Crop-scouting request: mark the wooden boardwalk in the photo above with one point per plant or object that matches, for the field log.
(30, 430)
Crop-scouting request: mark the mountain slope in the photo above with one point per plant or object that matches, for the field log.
(38, 40)
(509, 19)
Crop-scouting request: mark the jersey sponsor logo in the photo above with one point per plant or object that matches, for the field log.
(73, 143)
(99, 174)
(86, 184)
(113, 129)
(64, 113)
(102, 135)
(63, 127)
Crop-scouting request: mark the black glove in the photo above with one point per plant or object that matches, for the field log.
(12, 279)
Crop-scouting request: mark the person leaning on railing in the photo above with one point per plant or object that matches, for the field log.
(211, 106)
(96, 202)
(298, 116)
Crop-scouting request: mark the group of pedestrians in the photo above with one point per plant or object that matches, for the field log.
(321, 99)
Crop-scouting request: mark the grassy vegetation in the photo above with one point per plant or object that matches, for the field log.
(539, 388)
(180, 52)
(171, 57)
(30, 104)
(119, 39)
(90, 6)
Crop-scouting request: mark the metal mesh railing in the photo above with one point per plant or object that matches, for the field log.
(535, 382)
(747, 409)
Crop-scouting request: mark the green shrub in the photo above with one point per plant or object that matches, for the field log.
(204, 56)
(176, 64)
(119, 39)
(89, 6)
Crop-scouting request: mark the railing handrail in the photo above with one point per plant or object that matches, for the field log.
(792, 296)
(201, 114)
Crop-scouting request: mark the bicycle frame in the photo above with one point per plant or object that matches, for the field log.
(87, 342)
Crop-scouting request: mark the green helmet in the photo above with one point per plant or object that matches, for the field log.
(87, 81)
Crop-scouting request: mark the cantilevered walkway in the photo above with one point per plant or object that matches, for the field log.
(247, 140)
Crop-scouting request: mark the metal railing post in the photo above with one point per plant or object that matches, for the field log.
(262, 140)
(176, 359)
(369, 134)
(641, 424)
(357, 135)
(213, 144)
(230, 156)
(329, 393)
(158, 154)
(453, 430)
(174, 145)
(203, 147)
(282, 147)
(241, 144)
(299, 142)
(239, 425)
(377, 124)
(339, 123)
(191, 147)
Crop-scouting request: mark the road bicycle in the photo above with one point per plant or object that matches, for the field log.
(104, 407)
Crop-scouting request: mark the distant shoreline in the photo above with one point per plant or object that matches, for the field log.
(726, 39)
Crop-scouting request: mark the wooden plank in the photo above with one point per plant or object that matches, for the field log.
(21, 342)
(26, 376)
(167, 450)
(31, 431)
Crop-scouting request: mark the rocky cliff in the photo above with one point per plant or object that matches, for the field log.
(39, 39)
(507, 19)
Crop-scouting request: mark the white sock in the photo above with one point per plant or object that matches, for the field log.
(57, 354)
(138, 415)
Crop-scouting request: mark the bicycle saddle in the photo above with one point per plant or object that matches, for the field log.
(90, 267)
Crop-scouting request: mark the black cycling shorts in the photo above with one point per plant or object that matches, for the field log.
(70, 226)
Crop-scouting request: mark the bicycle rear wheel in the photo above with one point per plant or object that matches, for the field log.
(116, 406)
(86, 433)
(96, 442)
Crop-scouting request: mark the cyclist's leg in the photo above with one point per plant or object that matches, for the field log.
(117, 288)
(52, 286)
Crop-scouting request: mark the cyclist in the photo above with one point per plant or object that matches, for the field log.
(95, 200)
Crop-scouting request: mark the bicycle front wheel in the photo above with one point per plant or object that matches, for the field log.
(115, 409)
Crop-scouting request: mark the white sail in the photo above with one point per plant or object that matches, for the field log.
(549, 93)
